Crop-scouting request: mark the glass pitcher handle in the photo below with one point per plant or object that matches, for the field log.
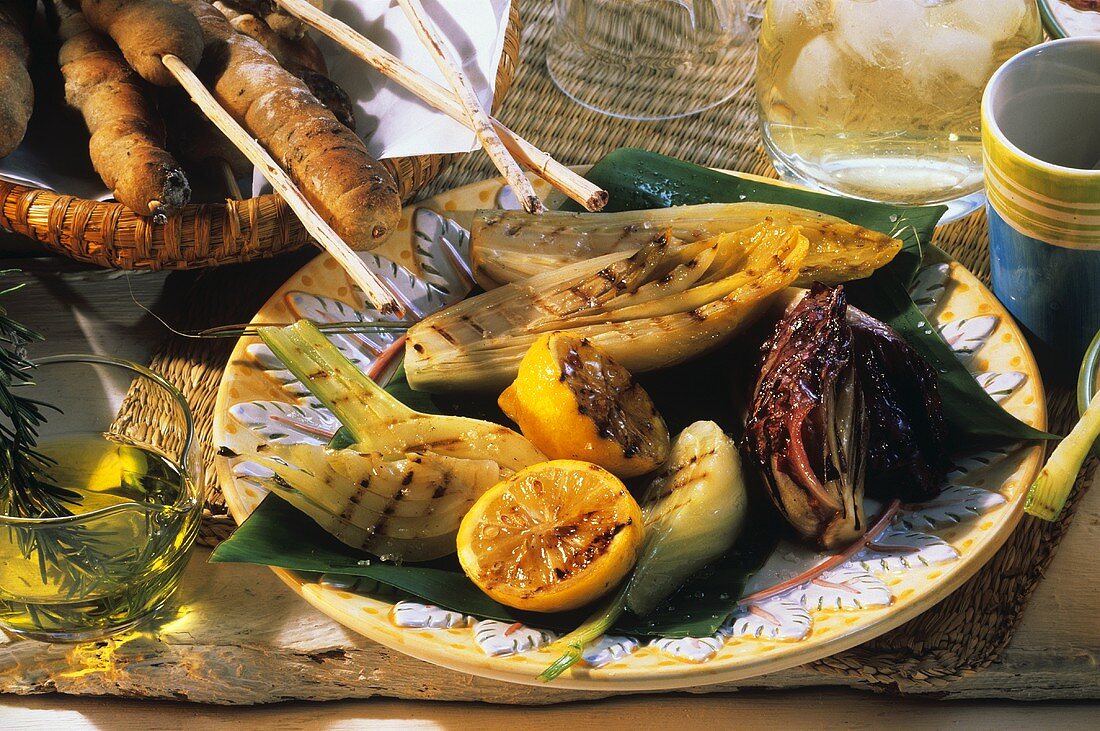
(731, 14)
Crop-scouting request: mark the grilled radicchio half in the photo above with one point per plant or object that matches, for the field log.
(807, 425)
(842, 400)
(907, 454)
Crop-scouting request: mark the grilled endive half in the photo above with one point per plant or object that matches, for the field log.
(402, 489)
(693, 511)
(662, 305)
(510, 246)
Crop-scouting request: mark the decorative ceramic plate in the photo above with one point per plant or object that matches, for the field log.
(1068, 18)
(910, 563)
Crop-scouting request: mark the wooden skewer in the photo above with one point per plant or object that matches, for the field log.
(229, 179)
(475, 113)
(375, 289)
(589, 195)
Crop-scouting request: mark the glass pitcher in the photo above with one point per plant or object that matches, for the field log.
(130, 484)
(649, 59)
(880, 99)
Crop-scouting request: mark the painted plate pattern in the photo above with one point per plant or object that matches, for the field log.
(924, 552)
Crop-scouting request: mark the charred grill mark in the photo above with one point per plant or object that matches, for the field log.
(353, 502)
(593, 391)
(408, 478)
(473, 325)
(698, 315)
(433, 446)
(580, 292)
(418, 347)
(445, 335)
(227, 452)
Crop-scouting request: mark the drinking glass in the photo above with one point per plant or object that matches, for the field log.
(119, 555)
(881, 99)
(648, 59)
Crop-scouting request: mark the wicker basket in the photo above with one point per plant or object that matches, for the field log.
(202, 235)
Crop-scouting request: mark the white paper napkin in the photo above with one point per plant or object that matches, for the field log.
(391, 120)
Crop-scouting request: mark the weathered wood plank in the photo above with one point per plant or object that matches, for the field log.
(758, 710)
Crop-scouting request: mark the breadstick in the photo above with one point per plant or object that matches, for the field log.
(16, 91)
(352, 191)
(300, 57)
(197, 142)
(146, 30)
(127, 142)
(289, 52)
(277, 19)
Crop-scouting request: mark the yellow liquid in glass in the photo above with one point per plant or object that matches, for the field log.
(881, 99)
(94, 575)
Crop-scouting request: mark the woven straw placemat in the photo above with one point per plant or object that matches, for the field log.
(960, 635)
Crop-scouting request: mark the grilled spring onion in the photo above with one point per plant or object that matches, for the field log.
(693, 511)
(662, 305)
(402, 489)
(509, 246)
(1051, 488)
(376, 420)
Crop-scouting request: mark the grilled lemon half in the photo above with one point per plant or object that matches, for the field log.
(552, 537)
(572, 401)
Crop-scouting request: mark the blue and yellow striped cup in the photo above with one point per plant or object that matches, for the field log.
(1041, 145)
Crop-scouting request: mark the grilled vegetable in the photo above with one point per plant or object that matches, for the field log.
(406, 508)
(402, 489)
(1051, 488)
(907, 433)
(552, 537)
(377, 421)
(843, 402)
(508, 246)
(693, 512)
(573, 401)
(660, 306)
(807, 427)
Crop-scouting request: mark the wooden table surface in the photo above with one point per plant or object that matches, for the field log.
(251, 639)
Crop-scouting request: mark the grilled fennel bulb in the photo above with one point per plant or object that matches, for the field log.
(510, 246)
(405, 507)
(662, 305)
(401, 490)
(693, 512)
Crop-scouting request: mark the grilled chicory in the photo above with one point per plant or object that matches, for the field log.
(843, 404)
